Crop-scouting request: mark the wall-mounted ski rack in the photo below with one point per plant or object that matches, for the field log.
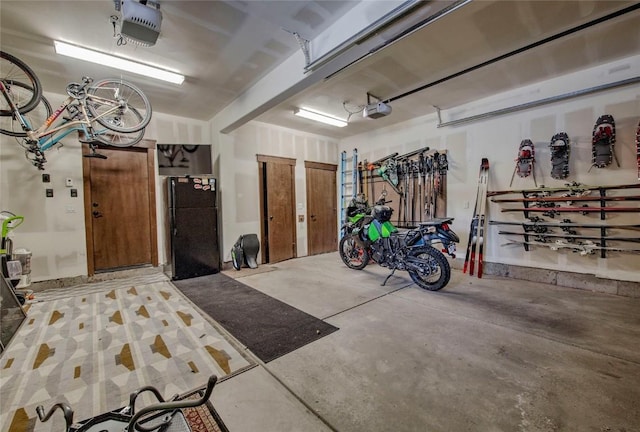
(545, 203)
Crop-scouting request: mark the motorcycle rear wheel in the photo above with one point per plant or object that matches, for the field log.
(353, 255)
(436, 271)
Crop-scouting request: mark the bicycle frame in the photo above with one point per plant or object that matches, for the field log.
(120, 108)
(46, 136)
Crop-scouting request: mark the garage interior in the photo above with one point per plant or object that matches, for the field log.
(545, 340)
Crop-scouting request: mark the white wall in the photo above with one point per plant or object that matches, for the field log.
(239, 183)
(169, 129)
(54, 229)
(498, 139)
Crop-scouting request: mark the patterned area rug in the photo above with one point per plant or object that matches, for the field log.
(92, 347)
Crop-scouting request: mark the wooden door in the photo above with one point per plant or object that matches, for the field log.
(277, 186)
(322, 219)
(120, 209)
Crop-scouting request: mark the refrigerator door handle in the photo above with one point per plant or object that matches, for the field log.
(174, 226)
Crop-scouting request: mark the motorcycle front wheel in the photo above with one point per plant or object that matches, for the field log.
(434, 273)
(353, 255)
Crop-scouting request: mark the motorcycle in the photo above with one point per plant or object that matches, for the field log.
(370, 235)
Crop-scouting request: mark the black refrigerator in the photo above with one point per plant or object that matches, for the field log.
(193, 225)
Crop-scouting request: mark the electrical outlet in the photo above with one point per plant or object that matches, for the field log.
(49, 193)
(68, 182)
(46, 178)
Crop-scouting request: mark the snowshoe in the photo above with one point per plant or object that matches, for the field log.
(603, 142)
(560, 155)
(525, 161)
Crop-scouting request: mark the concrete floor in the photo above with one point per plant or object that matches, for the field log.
(491, 354)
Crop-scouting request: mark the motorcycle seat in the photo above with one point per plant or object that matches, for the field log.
(437, 221)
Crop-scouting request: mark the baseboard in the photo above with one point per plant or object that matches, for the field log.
(581, 281)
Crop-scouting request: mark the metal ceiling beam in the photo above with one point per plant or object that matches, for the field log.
(546, 40)
(269, 92)
(539, 102)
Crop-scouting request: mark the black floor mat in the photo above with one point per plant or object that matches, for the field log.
(267, 326)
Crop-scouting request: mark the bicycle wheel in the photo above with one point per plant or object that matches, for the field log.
(9, 125)
(110, 101)
(119, 139)
(189, 148)
(15, 71)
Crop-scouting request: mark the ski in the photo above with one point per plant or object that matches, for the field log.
(566, 223)
(474, 220)
(476, 230)
(585, 248)
(568, 187)
(482, 220)
(575, 209)
(638, 149)
(546, 198)
(545, 235)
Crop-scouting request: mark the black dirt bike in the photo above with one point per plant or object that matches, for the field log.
(369, 235)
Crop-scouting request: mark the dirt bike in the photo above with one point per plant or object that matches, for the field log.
(370, 235)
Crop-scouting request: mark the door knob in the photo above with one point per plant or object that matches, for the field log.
(96, 214)
(270, 217)
(94, 204)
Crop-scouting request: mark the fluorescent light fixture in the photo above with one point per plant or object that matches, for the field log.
(320, 117)
(116, 62)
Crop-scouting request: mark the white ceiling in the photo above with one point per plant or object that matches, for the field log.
(225, 47)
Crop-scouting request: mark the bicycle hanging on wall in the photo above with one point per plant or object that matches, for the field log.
(171, 152)
(109, 112)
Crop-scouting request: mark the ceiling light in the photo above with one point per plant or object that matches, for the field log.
(320, 117)
(117, 62)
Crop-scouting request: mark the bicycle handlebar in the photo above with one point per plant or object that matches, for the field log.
(66, 411)
(172, 405)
